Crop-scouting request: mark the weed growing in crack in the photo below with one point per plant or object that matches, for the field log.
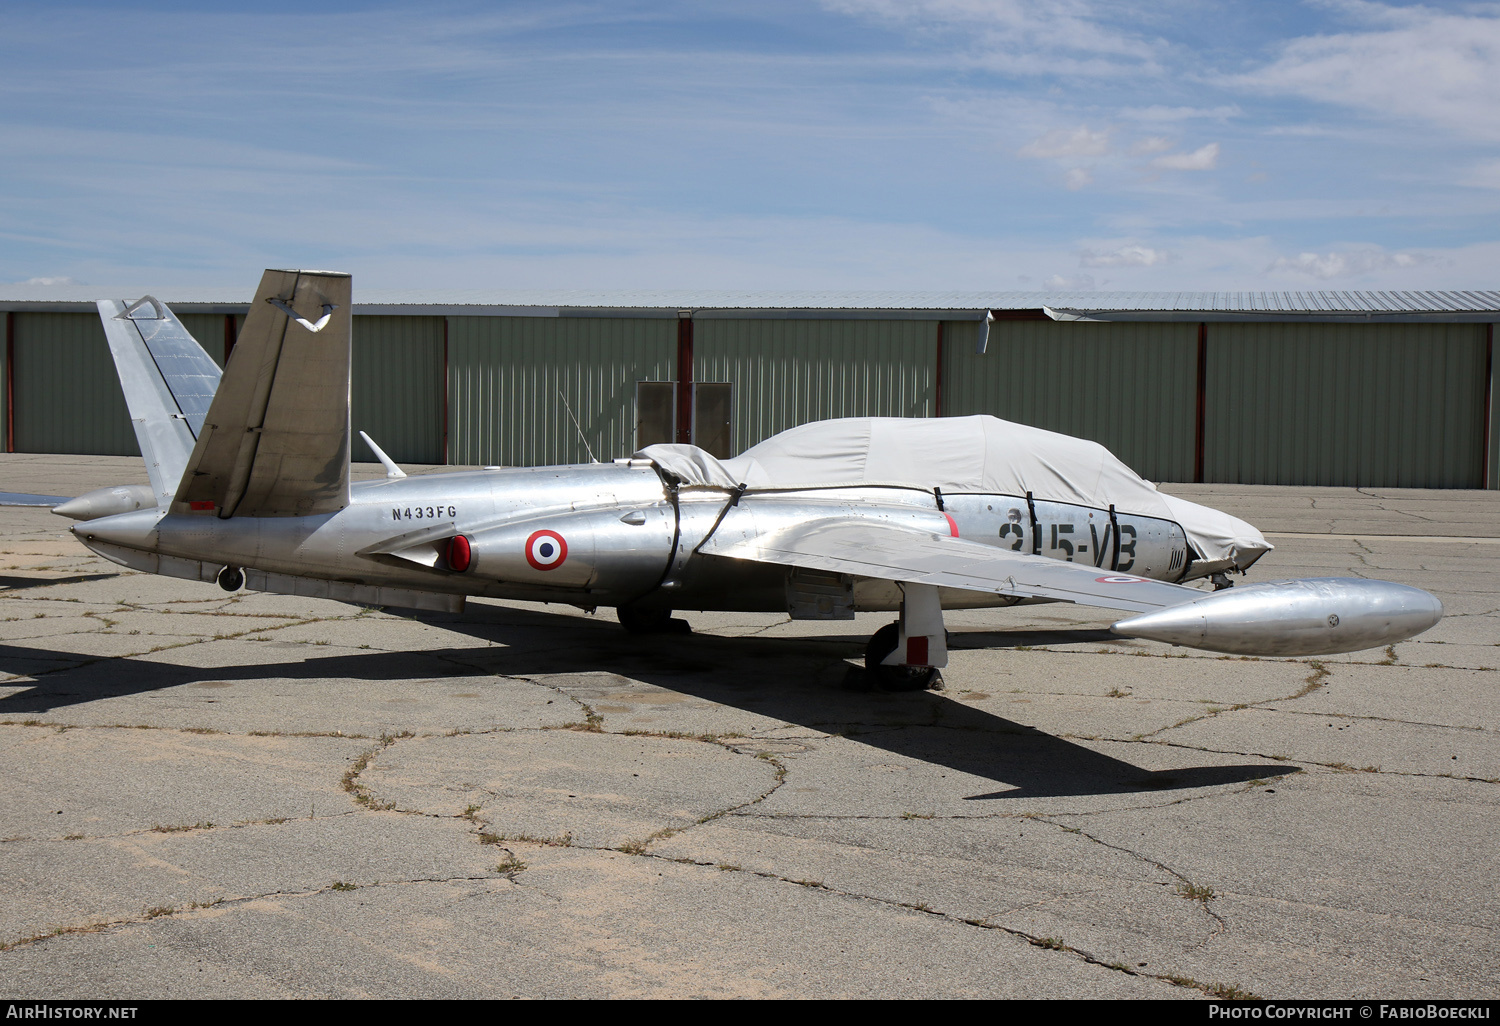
(350, 782)
(158, 911)
(563, 840)
(1050, 943)
(1315, 679)
(60, 931)
(679, 735)
(510, 864)
(202, 824)
(1196, 892)
(341, 886)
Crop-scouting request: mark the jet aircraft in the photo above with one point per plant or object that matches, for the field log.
(250, 487)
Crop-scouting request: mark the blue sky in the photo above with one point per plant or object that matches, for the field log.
(843, 144)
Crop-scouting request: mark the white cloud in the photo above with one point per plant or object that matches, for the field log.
(1068, 143)
(1125, 256)
(1150, 144)
(1412, 62)
(1349, 264)
(1204, 158)
(50, 281)
(1486, 176)
(1081, 282)
(1160, 113)
(1023, 38)
(1078, 177)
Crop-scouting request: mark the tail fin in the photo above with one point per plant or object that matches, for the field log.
(275, 441)
(168, 381)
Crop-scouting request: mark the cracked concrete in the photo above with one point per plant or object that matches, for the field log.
(266, 796)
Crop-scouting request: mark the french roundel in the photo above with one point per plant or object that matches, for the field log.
(1121, 579)
(546, 550)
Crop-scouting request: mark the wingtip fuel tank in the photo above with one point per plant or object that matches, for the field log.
(106, 502)
(1316, 616)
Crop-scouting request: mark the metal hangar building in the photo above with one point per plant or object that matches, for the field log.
(1381, 389)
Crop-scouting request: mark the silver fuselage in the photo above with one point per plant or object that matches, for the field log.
(626, 537)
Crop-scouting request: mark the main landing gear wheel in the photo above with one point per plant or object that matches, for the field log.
(231, 578)
(650, 621)
(896, 678)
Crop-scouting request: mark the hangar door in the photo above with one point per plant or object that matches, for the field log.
(512, 382)
(396, 387)
(67, 397)
(1383, 405)
(1127, 385)
(787, 372)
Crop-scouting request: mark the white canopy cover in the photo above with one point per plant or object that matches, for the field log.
(977, 454)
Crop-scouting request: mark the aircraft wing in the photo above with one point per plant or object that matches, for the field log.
(870, 548)
(27, 499)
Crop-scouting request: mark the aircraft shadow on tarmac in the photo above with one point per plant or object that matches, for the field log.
(803, 680)
(13, 583)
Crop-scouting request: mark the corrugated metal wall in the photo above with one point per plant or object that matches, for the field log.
(1336, 404)
(505, 373)
(1492, 472)
(1130, 386)
(396, 387)
(790, 372)
(67, 396)
(1346, 404)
